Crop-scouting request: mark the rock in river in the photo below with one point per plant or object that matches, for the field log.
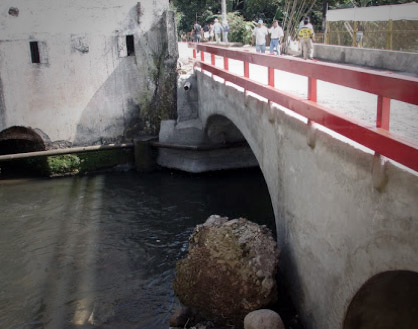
(263, 319)
(229, 270)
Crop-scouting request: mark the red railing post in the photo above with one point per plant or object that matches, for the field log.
(212, 59)
(226, 64)
(202, 55)
(194, 53)
(312, 89)
(383, 112)
(271, 76)
(246, 69)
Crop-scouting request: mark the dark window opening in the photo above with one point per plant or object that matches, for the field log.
(130, 47)
(34, 52)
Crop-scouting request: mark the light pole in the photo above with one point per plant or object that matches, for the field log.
(223, 5)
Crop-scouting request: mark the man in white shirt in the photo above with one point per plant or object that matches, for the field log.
(218, 29)
(276, 37)
(260, 33)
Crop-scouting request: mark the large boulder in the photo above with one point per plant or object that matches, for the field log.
(229, 271)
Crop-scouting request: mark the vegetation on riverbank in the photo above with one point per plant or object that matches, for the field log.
(242, 14)
(68, 164)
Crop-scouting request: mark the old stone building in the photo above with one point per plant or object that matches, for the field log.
(86, 72)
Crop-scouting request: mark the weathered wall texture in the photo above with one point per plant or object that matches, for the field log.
(2, 108)
(335, 228)
(86, 89)
(376, 58)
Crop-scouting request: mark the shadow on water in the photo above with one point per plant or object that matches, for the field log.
(100, 251)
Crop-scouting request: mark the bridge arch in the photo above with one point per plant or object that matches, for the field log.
(387, 300)
(221, 130)
(223, 104)
(18, 139)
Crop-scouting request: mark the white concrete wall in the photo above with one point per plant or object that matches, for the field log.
(82, 91)
(103, 17)
(376, 58)
(335, 228)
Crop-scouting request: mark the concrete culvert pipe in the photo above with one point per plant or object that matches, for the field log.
(187, 86)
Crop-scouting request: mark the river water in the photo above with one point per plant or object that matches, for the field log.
(99, 251)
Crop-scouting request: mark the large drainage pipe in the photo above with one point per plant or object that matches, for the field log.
(187, 86)
(8, 157)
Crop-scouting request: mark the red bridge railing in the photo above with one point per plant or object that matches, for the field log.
(386, 86)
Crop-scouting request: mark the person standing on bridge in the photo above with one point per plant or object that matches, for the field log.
(211, 32)
(197, 30)
(305, 34)
(260, 33)
(276, 37)
(206, 32)
(301, 25)
(226, 31)
(218, 29)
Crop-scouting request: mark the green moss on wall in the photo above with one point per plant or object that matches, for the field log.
(68, 164)
(162, 105)
(158, 102)
(98, 160)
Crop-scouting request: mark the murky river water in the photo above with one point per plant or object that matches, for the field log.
(100, 251)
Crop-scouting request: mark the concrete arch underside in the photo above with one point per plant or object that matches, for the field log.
(342, 215)
(387, 300)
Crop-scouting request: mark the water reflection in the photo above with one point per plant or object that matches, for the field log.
(100, 251)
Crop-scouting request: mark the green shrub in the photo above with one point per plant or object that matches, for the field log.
(63, 164)
(239, 30)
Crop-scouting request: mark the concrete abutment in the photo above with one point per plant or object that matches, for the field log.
(185, 144)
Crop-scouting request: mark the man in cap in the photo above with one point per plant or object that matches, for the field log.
(260, 33)
(305, 34)
(310, 26)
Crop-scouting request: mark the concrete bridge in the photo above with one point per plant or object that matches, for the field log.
(346, 216)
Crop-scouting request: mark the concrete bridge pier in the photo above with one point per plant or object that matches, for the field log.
(185, 144)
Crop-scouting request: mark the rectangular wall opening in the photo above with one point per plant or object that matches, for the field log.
(130, 47)
(34, 52)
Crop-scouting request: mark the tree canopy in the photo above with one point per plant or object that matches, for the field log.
(204, 11)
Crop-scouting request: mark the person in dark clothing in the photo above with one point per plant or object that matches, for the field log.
(205, 32)
(197, 29)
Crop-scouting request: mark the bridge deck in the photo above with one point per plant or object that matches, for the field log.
(353, 111)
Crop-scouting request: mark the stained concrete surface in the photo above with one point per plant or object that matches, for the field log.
(86, 89)
(374, 58)
(335, 229)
